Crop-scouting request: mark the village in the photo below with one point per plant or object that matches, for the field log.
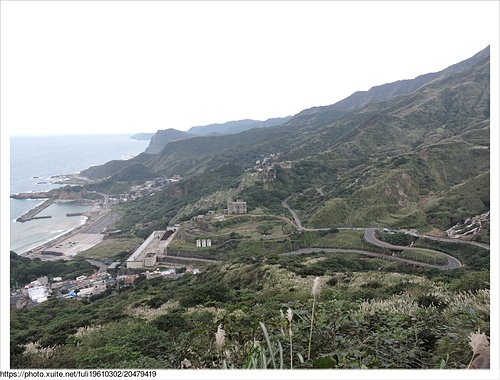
(105, 281)
(153, 258)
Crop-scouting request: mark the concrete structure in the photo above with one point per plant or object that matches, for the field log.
(85, 292)
(153, 247)
(176, 178)
(202, 243)
(150, 259)
(269, 174)
(285, 164)
(238, 207)
(38, 294)
(114, 265)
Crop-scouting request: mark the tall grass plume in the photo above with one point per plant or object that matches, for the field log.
(316, 289)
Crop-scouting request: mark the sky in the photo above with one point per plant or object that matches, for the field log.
(126, 67)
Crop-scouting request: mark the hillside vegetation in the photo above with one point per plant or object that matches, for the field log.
(407, 154)
(364, 318)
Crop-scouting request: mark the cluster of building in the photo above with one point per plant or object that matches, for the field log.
(148, 188)
(265, 166)
(41, 289)
(82, 287)
(85, 286)
(171, 272)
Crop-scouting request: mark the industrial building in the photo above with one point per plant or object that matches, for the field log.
(155, 246)
(238, 207)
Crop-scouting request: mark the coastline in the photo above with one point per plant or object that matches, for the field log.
(97, 220)
(47, 163)
(66, 230)
(37, 251)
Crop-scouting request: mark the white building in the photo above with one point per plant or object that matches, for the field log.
(202, 243)
(38, 294)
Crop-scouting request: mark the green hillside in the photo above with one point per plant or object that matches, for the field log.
(388, 159)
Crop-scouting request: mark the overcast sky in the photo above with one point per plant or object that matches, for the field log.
(122, 67)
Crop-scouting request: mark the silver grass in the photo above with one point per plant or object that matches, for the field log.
(316, 289)
(289, 314)
(220, 336)
(478, 342)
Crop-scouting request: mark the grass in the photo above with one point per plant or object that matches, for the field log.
(250, 228)
(365, 310)
(110, 248)
(182, 245)
(423, 255)
(234, 227)
(215, 201)
(342, 239)
(476, 258)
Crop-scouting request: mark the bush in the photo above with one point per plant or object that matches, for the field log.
(428, 300)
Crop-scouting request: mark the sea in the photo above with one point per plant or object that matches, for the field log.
(34, 159)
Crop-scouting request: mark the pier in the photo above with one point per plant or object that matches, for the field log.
(32, 214)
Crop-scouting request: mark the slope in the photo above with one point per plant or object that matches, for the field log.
(377, 164)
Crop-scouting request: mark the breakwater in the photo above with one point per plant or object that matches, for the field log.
(32, 214)
(75, 213)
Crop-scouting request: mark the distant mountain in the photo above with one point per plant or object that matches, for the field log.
(411, 153)
(163, 137)
(142, 136)
(236, 126)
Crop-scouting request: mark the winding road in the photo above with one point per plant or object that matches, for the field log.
(369, 236)
(452, 264)
(448, 240)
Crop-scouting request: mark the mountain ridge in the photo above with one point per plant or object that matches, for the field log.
(163, 137)
(377, 162)
(236, 126)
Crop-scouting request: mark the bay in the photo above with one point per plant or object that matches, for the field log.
(35, 159)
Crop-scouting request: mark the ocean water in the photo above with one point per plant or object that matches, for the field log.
(45, 156)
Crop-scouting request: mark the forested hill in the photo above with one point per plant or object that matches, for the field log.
(410, 153)
(163, 137)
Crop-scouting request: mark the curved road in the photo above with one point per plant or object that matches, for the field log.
(453, 263)
(448, 240)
